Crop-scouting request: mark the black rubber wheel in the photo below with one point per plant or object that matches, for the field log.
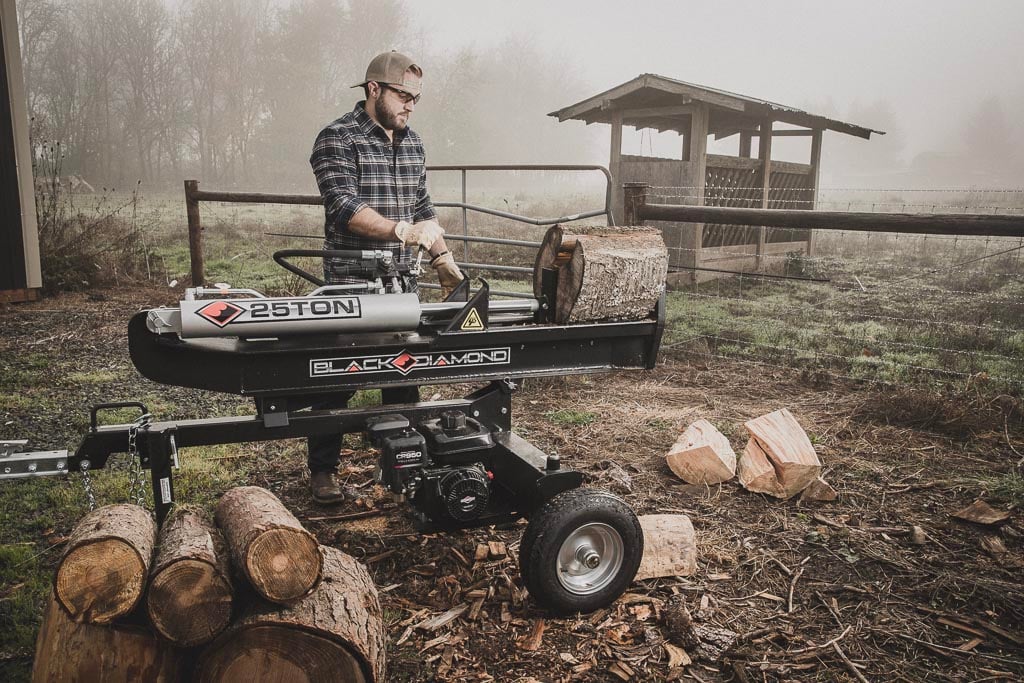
(580, 551)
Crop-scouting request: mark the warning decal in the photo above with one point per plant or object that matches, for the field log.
(472, 323)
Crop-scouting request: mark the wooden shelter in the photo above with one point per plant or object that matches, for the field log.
(20, 274)
(697, 251)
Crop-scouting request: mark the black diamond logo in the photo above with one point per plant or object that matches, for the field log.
(220, 313)
(404, 362)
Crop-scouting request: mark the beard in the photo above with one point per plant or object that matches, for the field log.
(390, 119)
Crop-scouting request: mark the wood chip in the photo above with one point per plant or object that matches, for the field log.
(819, 491)
(981, 512)
(971, 644)
(676, 656)
(481, 552)
(440, 620)
(497, 550)
(918, 536)
(621, 670)
(532, 641)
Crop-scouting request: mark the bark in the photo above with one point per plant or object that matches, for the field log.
(70, 651)
(280, 559)
(102, 574)
(604, 273)
(190, 592)
(335, 633)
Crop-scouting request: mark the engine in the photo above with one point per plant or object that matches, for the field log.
(440, 466)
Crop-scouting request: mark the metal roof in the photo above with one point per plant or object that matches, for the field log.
(653, 101)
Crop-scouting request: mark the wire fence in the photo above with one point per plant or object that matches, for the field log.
(886, 307)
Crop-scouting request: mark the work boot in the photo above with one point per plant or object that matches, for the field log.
(324, 488)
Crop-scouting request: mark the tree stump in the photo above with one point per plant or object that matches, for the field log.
(103, 572)
(604, 273)
(70, 651)
(190, 592)
(268, 545)
(334, 634)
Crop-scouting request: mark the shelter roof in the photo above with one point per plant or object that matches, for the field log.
(653, 101)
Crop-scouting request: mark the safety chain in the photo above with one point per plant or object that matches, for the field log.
(87, 484)
(136, 485)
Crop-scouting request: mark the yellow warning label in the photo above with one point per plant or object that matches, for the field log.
(472, 323)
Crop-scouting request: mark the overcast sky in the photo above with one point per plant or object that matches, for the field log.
(930, 60)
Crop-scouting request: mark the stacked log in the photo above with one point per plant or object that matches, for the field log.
(280, 559)
(604, 273)
(310, 613)
(190, 591)
(103, 572)
(69, 650)
(335, 633)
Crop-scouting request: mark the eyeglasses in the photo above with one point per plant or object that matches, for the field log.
(402, 95)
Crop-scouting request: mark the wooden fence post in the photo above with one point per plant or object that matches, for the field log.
(634, 196)
(195, 234)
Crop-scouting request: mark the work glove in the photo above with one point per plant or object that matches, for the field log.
(448, 274)
(422, 234)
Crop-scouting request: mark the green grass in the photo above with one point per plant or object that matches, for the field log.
(93, 377)
(571, 418)
(1008, 488)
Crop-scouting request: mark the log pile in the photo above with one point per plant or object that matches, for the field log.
(604, 273)
(246, 594)
(778, 458)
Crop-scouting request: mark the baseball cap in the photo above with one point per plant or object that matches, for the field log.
(390, 68)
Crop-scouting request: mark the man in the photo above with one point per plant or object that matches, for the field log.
(370, 168)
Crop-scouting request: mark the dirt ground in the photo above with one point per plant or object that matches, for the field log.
(822, 591)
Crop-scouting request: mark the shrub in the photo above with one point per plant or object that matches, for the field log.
(80, 248)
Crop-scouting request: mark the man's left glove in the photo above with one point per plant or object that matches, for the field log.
(448, 274)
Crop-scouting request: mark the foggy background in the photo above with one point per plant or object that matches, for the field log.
(233, 92)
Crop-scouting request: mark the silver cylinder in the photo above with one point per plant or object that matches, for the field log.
(286, 316)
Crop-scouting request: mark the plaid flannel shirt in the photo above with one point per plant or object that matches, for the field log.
(356, 165)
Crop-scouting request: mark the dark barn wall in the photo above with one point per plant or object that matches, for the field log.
(12, 245)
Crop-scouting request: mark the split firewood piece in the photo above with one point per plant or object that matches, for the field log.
(103, 572)
(756, 473)
(670, 547)
(190, 592)
(820, 491)
(336, 633)
(496, 550)
(788, 449)
(70, 651)
(981, 512)
(268, 545)
(702, 455)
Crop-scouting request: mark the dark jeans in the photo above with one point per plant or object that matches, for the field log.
(325, 451)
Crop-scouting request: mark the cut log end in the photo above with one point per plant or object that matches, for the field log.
(100, 581)
(670, 547)
(189, 602)
(284, 564)
(281, 653)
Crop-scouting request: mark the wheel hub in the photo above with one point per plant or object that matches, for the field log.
(590, 558)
